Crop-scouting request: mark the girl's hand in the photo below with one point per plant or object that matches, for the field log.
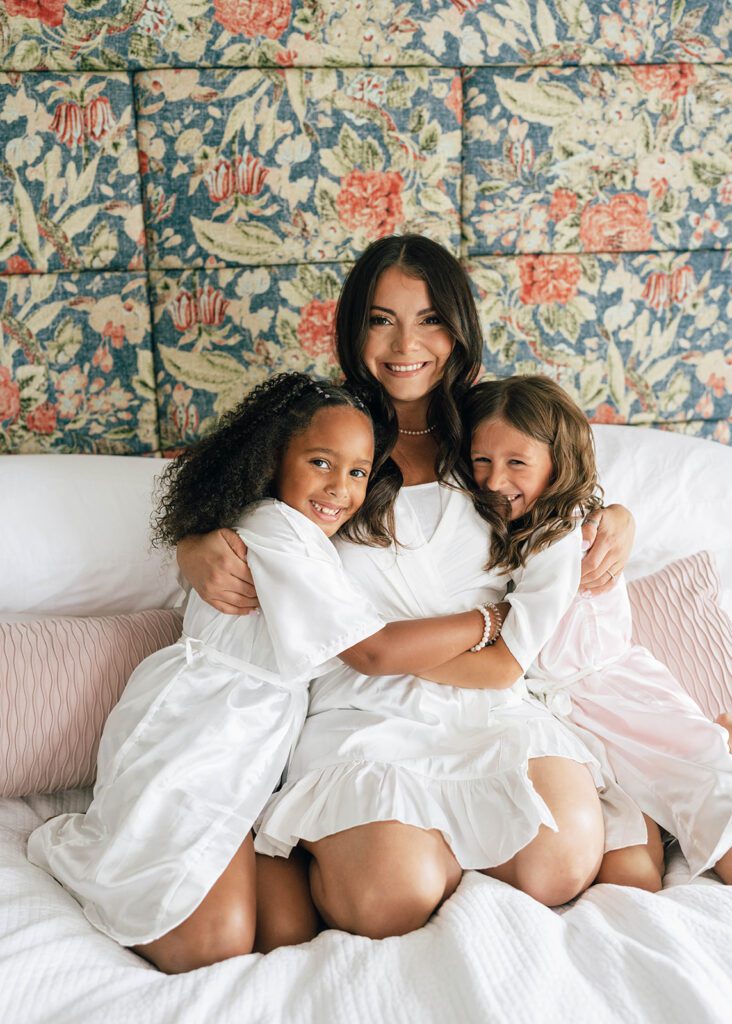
(611, 541)
(215, 564)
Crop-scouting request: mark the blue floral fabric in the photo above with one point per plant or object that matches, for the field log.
(183, 187)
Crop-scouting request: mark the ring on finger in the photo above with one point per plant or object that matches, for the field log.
(610, 573)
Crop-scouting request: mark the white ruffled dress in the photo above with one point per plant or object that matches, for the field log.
(432, 756)
(202, 734)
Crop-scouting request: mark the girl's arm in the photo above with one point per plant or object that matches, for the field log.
(611, 542)
(413, 646)
(215, 565)
(493, 668)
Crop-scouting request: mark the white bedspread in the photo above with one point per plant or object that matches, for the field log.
(491, 954)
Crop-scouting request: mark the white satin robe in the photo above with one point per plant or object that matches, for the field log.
(202, 734)
(438, 757)
(664, 752)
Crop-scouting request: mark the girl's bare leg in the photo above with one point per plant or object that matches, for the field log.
(557, 866)
(723, 867)
(381, 879)
(640, 866)
(221, 927)
(286, 914)
(725, 721)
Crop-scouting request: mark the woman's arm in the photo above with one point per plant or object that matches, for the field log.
(493, 668)
(412, 646)
(611, 542)
(215, 564)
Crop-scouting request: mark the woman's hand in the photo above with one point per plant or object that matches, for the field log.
(215, 564)
(610, 534)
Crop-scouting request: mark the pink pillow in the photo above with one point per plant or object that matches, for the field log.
(59, 679)
(676, 615)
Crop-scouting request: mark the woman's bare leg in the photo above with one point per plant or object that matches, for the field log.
(381, 879)
(286, 914)
(222, 926)
(639, 866)
(557, 866)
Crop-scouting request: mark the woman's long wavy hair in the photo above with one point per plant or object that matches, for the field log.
(543, 411)
(449, 289)
(211, 484)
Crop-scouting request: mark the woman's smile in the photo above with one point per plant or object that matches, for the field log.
(407, 344)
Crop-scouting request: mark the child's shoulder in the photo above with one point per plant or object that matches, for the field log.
(277, 521)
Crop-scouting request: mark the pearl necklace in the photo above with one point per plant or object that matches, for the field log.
(415, 433)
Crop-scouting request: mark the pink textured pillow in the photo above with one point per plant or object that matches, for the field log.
(676, 615)
(59, 679)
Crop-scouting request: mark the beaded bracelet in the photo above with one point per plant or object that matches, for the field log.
(492, 625)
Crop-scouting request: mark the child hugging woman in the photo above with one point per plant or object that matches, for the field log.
(533, 460)
(163, 859)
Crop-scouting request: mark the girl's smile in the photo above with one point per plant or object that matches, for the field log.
(407, 345)
(510, 463)
(325, 468)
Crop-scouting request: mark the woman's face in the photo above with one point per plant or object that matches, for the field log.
(407, 345)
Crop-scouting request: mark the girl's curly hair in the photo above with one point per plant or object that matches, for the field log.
(449, 289)
(542, 410)
(209, 485)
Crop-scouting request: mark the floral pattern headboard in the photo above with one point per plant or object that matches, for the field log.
(185, 183)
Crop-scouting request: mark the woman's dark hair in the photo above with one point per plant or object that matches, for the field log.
(542, 410)
(449, 290)
(212, 483)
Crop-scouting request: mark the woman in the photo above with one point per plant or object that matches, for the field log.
(385, 771)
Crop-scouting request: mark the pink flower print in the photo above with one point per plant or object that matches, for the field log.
(316, 329)
(114, 333)
(98, 118)
(605, 413)
(68, 123)
(620, 225)
(9, 397)
(454, 101)
(250, 175)
(253, 18)
(48, 12)
(725, 190)
(722, 432)
(520, 149)
(220, 180)
(705, 406)
(718, 385)
(683, 283)
(661, 290)
(183, 311)
(211, 305)
(70, 388)
(371, 200)
(42, 419)
(706, 222)
(102, 358)
(563, 203)
(671, 81)
(548, 279)
(185, 415)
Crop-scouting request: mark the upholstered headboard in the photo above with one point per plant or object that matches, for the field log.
(184, 184)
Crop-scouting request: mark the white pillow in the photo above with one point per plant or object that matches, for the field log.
(74, 536)
(678, 488)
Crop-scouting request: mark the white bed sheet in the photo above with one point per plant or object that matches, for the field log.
(491, 954)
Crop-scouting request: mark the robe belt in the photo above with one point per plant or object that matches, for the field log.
(554, 692)
(195, 648)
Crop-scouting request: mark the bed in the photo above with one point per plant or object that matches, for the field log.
(76, 545)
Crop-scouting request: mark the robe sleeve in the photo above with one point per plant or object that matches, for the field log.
(543, 590)
(313, 611)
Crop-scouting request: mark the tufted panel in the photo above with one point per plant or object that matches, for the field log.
(184, 185)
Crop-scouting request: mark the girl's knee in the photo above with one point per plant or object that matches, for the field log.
(561, 865)
(208, 942)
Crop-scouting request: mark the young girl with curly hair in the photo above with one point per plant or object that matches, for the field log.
(163, 859)
(532, 457)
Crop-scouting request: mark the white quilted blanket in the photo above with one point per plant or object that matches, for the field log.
(490, 955)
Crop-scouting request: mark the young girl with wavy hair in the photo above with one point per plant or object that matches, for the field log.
(533, 461)
(163, 858)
